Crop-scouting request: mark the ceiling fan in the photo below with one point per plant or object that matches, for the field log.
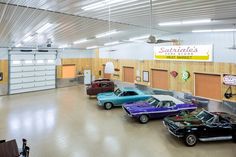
(152, 39)
(234, 44)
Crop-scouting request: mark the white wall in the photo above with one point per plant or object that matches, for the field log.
(3, 53)
(144, 51)
(70, 53)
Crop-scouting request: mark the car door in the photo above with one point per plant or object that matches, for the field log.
(105, 87)
(216, 128)
(127, 97)
(165, 108)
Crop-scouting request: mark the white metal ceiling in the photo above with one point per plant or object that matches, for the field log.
(19, 18)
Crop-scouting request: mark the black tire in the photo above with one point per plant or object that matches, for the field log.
(190, 140)
(234, 137)
(108, 105)
(143, 119)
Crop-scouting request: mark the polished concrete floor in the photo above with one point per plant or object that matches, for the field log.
(66, 123)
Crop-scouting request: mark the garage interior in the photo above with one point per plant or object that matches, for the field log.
(52, 51)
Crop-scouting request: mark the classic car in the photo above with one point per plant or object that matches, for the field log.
(120, 96)
(100, 86)
(202, 126)
(157, 106)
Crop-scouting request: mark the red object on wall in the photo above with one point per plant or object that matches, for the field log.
(174, 74)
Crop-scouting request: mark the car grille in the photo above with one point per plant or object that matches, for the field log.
(172, 126)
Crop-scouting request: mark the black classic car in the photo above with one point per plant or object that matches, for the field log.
(202, 126)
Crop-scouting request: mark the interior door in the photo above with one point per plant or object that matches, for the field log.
(208, 86)
(160, 79)
(128, 73)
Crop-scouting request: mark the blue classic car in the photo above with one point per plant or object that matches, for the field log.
(157, 106)
(120, 96)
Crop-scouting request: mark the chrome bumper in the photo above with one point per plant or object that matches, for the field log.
(171, 132)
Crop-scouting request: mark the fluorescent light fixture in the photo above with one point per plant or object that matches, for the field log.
(16, 62)
(104, 3)
(18, 45)
(80, 41)
(44, 28)
(196, 21)
(111, 43)
(214, 30)
(40, 61)
(176, 23)
(28, 38)
(63, 46)
(106, 34)
(139, 38)
(92, 47)
(28, 62)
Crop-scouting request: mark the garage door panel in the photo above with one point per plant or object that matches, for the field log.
(32, 73)
(27, 74)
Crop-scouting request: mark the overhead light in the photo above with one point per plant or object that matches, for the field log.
(176, 23)
(63, 46)
(28, 38)
(139, 38)
(106, 34)
(80, 41)
(111, 43)
(214, 30)
(104, 3)
(18, 45)
(92, 47)
(44, 28)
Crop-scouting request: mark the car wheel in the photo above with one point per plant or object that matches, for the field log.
(234, 137)
(108, 105)
(190, 140)
(143, 119)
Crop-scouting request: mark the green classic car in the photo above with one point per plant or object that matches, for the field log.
(120, 96)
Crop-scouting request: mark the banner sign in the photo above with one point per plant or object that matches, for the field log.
(184, 53)
(229, 80)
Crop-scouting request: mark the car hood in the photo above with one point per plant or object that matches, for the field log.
(182, 121)
(106, 95)
(137, 106)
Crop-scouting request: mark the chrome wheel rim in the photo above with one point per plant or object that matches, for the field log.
(143, 118)
(108, 105)
(191, 140)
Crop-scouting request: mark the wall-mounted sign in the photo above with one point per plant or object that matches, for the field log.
(185, 75)
(229, 80)
(174, 74)
(184, 53)
(1, 76)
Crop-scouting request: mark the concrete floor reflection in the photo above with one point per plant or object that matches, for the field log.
(66, 123)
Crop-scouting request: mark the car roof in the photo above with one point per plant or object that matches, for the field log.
(131, 89)
(168, 98)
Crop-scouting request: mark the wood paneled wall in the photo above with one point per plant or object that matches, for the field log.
(175, 84)
(80, 63)
(4, 69)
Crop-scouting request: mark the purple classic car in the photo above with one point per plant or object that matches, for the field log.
(157, 106)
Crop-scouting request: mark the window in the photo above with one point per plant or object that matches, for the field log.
(152, 101)
(40, 61)
(166, 104)
(16, 62)
(105, 85)
(28, 62)
(129, 93)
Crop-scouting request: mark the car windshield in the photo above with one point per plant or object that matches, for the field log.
(118, 92)
(205, 116)
(152, 101)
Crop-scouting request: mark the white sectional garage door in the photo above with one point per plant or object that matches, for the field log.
(32, 72)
